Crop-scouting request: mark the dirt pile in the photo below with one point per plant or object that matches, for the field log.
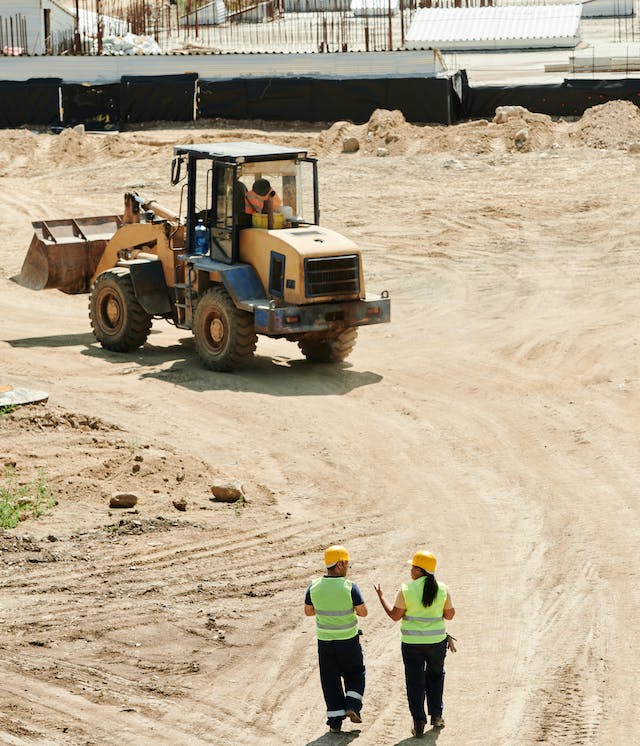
(614, 125)
(71, 146)
(111, 464)
(386, 133)
(611, 126)
(17, 148)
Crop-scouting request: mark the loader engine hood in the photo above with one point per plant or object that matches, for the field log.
(302, 265)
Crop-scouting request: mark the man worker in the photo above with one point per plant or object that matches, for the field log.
(257, 198)
(336, 602)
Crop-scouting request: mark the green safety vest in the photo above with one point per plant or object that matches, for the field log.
(335, 616)
(422, 624)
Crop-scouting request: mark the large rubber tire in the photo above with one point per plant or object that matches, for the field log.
(118, 321)
(333, 348)
(225, 336)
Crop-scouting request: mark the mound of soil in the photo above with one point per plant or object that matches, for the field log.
(611, 126)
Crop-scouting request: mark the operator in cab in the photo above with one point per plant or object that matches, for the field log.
(258, 197)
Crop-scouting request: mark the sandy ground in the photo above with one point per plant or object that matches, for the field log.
(494, 421)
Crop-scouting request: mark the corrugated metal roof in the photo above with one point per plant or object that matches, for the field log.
(523, 26)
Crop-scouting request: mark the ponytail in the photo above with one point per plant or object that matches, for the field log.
(429, 589)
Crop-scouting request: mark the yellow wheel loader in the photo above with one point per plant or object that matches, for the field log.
(249, 257)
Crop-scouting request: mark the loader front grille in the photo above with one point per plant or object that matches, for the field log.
(332, 275)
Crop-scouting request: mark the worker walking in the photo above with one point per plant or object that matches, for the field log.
(423, 605)
(336, 602)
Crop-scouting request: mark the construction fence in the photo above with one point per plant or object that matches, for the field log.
(50, 102)
(185, 97)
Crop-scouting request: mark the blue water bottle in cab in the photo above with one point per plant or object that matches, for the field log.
(201, 239)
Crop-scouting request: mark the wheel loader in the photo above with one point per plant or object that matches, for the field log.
(276, 272)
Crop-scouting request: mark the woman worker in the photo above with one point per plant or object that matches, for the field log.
(423, 605)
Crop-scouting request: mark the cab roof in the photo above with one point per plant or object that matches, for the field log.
(242, 151)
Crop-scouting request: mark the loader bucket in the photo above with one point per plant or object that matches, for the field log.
(64, 254)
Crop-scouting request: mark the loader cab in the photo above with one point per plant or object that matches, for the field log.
(217, 178)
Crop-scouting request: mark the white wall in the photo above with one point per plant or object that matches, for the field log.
(221, 66)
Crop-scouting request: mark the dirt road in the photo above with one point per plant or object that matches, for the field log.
(494, 421)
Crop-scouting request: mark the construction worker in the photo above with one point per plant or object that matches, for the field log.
(256, 200)
(336, 602)
(423, 605)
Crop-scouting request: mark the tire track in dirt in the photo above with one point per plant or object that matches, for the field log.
(48, 708)
(247, 549)
(110, 631)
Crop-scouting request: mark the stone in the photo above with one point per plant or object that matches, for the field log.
(521, 138)
(350, 145)
(226, 493)
(504, 113)
(123, 500)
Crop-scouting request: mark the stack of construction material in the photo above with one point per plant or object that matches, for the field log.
(130, 44)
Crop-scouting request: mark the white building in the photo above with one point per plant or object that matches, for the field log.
(211, 14)
(30, 26)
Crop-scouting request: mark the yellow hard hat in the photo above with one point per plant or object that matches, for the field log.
(334, 554)
(424, 560)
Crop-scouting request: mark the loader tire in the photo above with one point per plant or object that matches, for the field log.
(118, 321)
(225, 337)
(333, 348)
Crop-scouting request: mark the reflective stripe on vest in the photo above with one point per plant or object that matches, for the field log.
(423, 624)
(253, 202)
(335, 616)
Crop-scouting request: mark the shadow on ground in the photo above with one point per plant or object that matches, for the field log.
(179, 365)
(335, 739)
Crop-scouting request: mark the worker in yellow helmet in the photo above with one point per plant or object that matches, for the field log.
(423, 605)
(336, 603)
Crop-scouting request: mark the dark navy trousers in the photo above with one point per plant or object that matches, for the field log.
(424, 676)
(341, 661)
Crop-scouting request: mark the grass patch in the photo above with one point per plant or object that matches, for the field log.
(239, 505)
(7, 409)
(20, 501)
(133, 446)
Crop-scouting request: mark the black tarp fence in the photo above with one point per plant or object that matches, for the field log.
(571, 98)
(35, 101)
(148, 98)
(323, 99)
(181, 98)
(95, 106)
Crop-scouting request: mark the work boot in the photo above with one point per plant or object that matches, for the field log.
(335, 729)
(353, 716)
(418, 728)
(437, 721)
